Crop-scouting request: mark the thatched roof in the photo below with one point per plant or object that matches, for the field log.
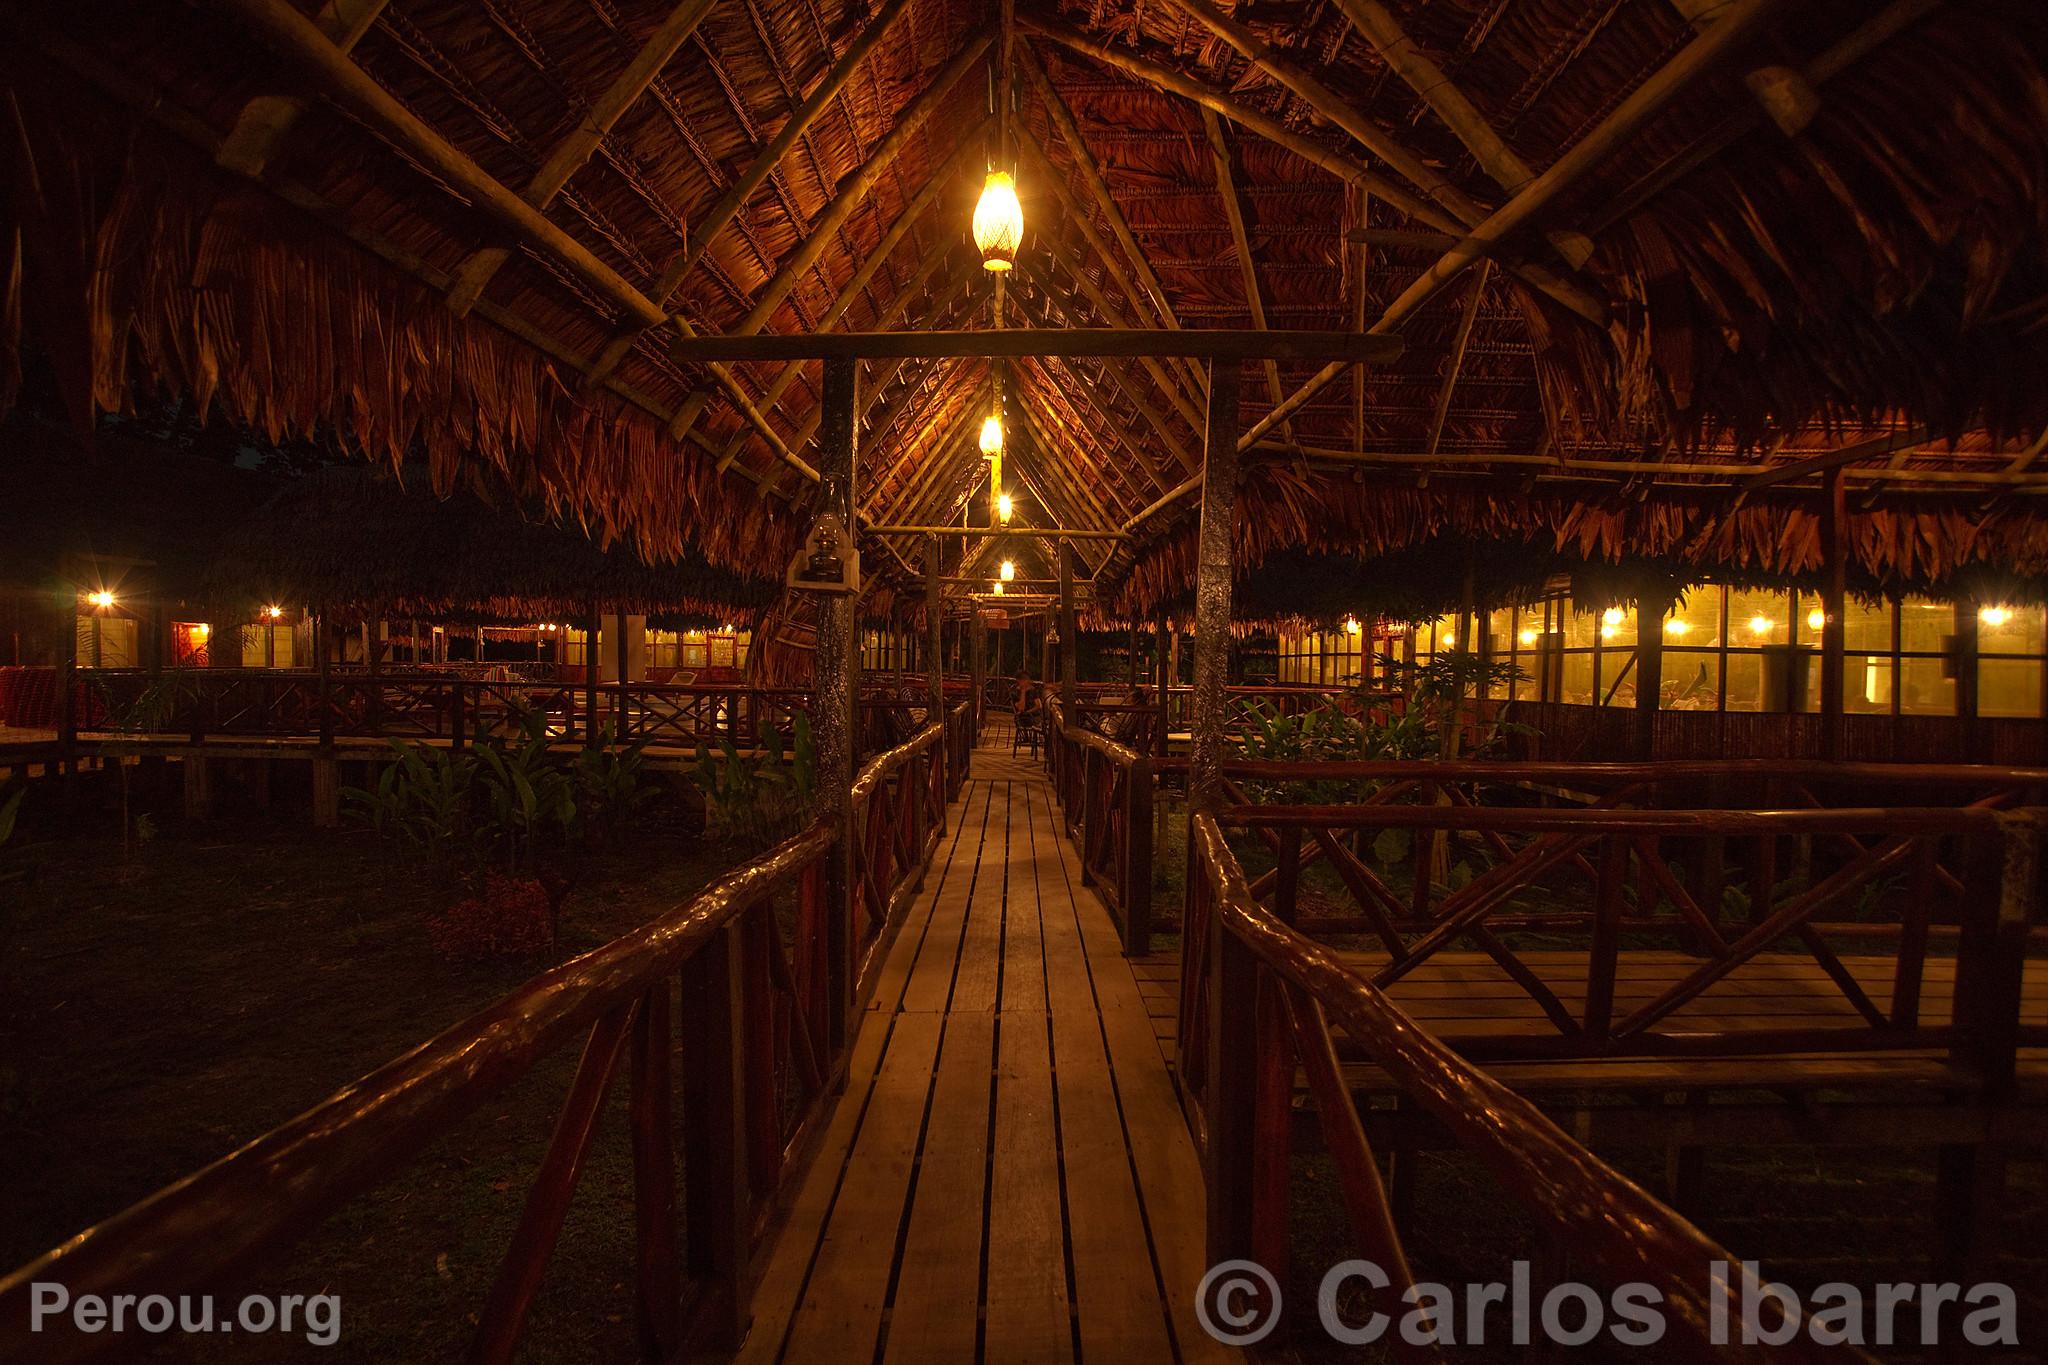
(1832, 229)
(362, 543)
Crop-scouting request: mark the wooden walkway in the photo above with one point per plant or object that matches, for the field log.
(1008, 1177)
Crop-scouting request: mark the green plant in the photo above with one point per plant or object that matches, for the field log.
(526, 797)
(147, 711)
(1438, 722)
(609, 791)
(423, 800)
(753, 798)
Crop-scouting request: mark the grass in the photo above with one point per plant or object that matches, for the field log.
(157, 1013)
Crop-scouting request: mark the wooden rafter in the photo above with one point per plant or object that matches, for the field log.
(851, 192)
(1743, 20)
(261, 126)
(1345, 168)
(1247, 264)
(570, 154)
(1437, 90)
(1329, 105)
(1457, 361)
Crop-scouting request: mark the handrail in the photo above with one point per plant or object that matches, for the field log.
(1601, 1214)
(276, 1189)
(1106, 789)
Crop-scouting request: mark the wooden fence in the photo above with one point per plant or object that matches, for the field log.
(767, 1016)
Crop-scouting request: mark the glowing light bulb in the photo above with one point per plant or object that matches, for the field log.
(1608, 632)
(102, 598)
(998, 222)
(1613, 616)
(1816, 619)
(273, 612)
(201, 631)
(1761, 625)
(997, 587)
(1351, 626)
(1004, 507)
(1995, 616)
(1527, 637)
(992, 435)
(1677, 627)
(1009, 570)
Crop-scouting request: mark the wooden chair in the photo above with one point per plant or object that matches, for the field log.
(1027, 731)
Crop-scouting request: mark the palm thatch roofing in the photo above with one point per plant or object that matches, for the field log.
(1637, 251)
(361, 543)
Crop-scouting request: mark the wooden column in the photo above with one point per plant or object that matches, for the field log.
(1834, 556)
(833, 720)
(1967, 679)
(1650, 611)
(592, 623)
(1164, 680)
(67, 679)
(326, 768)
(934, 625)
(977, 664)
(1070, 653)
(619, 653)
(1212, 588)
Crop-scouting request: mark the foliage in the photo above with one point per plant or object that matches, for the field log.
(510, 805)
(507, 917)
(1440, 725)
(752, 799)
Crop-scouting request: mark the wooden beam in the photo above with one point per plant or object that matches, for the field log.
(835, 664)
(1421, 74)
(705, 231)
(1897, 441)
(1215, 552)
(1742, 22)
(261, 126)
(1784, 95)
(1248, 267)
(1325, 102)
(852, 191)
(1062, 118)
(1458, 344)
(1350, 171)
(569, 155)
(1049, 532)
(1011, 343)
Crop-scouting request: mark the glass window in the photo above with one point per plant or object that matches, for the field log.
(1692, 679)
(1695, 622)
(1927, 674)
(2009, 687)
(1745, 681)
(1577, 678)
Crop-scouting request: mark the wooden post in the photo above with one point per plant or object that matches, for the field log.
(1163, 681)
(717, 1207)
(1233, 1043)
(326, 768)
(591, 623)
(1834, 553)
(619, 721)
(67, 688)
(934, 626)
(1212, 589)
(977, 662)
(1649, 672)
(833, 722)
(1967, 677)
(1070, 653)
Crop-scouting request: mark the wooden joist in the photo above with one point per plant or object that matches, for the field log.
(1012, 343)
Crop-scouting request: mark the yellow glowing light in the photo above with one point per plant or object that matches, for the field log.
(998, 222)
(997, 587)
(1351, 626)
(1816, 619)
(201, 631)
(273, 612)
(1613, 616)
(1677, 627)
(1761, 625)
(1995, 616)
(992, 435)
(102, 598)
(1009, 570)
(1004, 507)
(1527, 637)
(1609, 632)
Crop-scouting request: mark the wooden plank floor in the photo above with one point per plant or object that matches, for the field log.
(1007, 1177)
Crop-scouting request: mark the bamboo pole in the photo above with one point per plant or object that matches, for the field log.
(1214, 554)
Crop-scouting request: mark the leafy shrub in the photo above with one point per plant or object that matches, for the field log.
(756, 798)
(507, 917)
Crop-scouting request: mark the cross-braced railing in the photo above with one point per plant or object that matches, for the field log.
(758, 980)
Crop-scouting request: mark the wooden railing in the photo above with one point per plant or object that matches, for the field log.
(1106, 790)
(1273, 996)
(766, 1016)
(1960, 876)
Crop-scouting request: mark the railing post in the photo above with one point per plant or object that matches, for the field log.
(458, 715)
(1138, 859)
(716, 1203)
(1998, 887)
(1606, 948)
(835, 665)
(651, 1115)
(1090, 820)
(1230, 1088)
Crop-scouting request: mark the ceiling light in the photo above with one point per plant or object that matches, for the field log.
(1995, 616)
(1527, 637)
(102, 598)
(998, 222)
(1004, 507)
(1816, 619)
(1677, 627)
(992, 435)
(1613, 616)
(1009, 569)
(1761, 625)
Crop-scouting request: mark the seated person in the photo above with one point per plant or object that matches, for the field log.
(1030, 710)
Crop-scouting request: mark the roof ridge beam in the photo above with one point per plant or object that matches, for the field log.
(261, 126)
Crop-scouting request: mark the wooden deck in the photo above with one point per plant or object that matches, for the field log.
(1008, 1176)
